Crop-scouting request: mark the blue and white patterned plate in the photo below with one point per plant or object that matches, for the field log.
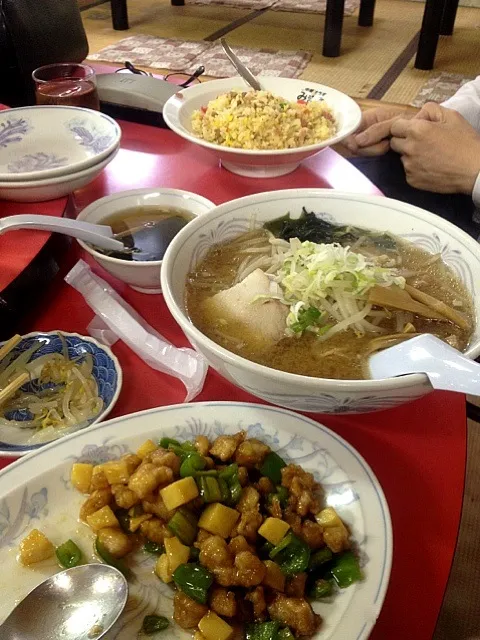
(46, 141)
(36, 492)
(106, 371)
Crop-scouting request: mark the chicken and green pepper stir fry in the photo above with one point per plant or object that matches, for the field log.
(242, 537)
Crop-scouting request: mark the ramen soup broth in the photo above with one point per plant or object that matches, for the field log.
(344, 355)
(146, 231)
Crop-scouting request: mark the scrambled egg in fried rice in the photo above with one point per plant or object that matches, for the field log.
(261, 120)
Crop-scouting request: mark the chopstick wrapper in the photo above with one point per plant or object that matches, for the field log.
(122, 320)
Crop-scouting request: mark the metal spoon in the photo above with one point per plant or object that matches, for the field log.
(81, 603)
(99, 235)
(244, 71)
(445, 367)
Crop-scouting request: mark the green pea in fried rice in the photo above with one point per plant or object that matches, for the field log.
(261, 120)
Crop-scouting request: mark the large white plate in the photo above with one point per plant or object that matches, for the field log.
(35, 492)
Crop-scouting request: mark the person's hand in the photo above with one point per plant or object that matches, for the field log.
(372, 137)
(440, 150)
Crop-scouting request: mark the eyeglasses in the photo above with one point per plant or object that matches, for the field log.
(181, 79)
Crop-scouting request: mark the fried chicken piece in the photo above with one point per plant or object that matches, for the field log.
(186, 612)
(295, 613)
(251, 453)
(124, 497)
(296, 586)
(224, 447)
(312, 533)
(223, 602)
(257, 598)
(250, 569)
(215, 553)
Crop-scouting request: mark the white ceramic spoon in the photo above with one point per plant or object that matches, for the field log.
(99, 235)
(445, 367)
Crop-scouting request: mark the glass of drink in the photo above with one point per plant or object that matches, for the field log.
(66, 84)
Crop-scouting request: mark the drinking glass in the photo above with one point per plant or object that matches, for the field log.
(66, 84)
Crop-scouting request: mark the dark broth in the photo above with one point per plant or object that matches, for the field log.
(146, 231)
(344, 355)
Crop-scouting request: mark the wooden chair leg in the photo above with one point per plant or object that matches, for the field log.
(119, 14)
(448, 18)
(429, 34)
(365, 16)
(332, 36)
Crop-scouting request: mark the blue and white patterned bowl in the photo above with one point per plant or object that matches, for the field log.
(36, 492)
(46, 141)
(303, 393)
(106, 371)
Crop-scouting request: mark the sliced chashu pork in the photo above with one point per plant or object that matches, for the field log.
(237, 310)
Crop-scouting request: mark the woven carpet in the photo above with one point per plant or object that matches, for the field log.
(185, 56)
(304, 6)
(439, 88)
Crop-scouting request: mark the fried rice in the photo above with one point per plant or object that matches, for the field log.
(261, 120)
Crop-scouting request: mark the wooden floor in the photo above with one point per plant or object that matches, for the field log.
(368, 54)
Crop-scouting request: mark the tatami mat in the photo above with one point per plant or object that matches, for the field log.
(157, 18)
(367, 53)
(459, 53)
(365, 56)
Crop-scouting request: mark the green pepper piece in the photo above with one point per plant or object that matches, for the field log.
(230, 476)
(272, 467)
(184, 527)
(319, 558)
(321, 589)
(209, 489)
(194, 580)
(346, 570)
(229, 472)
(282, 495)
(137, 510)
(68, 554)
(211, 472)
(284, 542)
(224, 490)
(166, 442)
(292, 557)
(194, 554)
(262, 630)
(153, 547)
(285, 634)
(123, 519)
(264, 551)
(192, 463)
(107, 557)
(153, 624)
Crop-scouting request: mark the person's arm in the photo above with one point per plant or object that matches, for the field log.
(467, 102)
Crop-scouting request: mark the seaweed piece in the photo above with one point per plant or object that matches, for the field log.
(309, 227)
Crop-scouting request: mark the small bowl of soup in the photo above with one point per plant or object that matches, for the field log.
(146, 221)
(288, 293)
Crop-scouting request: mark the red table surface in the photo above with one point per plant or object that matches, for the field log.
(19, 248)
(417, 451)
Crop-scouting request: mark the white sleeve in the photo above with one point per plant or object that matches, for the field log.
(467, 102)
(476, 192)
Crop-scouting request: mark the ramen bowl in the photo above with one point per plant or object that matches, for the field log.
(303, 393)
(142, 276)
(254, 163)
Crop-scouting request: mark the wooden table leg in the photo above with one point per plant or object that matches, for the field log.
(119, 14)
(365, 16)
(429, 34)
(448, 18)
(332, 36)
